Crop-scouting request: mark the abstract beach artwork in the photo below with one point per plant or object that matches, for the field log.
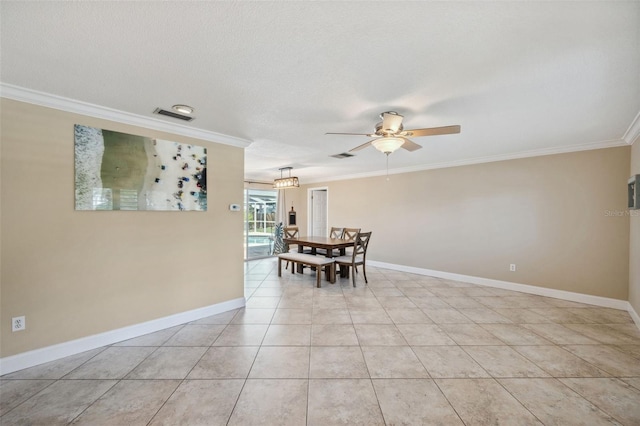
(119, 171)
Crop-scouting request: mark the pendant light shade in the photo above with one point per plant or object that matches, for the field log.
(286, 182)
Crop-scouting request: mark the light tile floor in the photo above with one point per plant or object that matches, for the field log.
(405, 349)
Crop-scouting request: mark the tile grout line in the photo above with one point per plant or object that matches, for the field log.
(315, 295)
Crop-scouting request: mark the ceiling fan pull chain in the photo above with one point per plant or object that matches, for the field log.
(387, 167)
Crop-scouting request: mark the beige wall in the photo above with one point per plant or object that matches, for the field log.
(79, 273)
(548, 215)
(634, 243)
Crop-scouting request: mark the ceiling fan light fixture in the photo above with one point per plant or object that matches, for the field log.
(183, 109)
(286, 182)
(387, 145)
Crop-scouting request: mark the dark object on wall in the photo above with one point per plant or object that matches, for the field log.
(634, 192)
(292, 217)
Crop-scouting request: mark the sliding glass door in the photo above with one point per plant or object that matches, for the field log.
(259, 222)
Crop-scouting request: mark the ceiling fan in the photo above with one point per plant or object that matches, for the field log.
(390, 135)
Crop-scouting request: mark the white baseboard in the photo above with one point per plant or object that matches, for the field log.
(634, 315)
(51, 353)
(506, 285)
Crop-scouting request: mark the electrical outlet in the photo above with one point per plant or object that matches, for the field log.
(512, 267)
(18, 323)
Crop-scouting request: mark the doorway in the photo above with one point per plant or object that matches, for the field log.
(318, 207)
(259, 222)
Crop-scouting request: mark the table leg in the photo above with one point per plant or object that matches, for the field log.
(300, 265)
(331, 278)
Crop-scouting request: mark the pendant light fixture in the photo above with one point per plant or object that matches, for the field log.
(286, 182)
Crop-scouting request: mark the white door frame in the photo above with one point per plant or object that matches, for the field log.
(310, 208)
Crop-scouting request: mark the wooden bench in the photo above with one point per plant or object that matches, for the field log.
(310, 260)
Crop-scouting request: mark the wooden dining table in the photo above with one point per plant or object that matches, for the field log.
(316, 242)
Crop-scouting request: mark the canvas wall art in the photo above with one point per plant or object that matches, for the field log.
(119, 171)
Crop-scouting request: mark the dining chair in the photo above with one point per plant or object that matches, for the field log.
(349, 234)
(357, 257)
(291, 232)
(336, 232)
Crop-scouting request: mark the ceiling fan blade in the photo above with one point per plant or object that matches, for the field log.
(359, 147)
(356, 134)
(391, 122)
(410, 145)
(433, 131)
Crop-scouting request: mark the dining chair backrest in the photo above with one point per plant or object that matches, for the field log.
(291, 232)
(336, 232)
(350, 234)
(360, 247)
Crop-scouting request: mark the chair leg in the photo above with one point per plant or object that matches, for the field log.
(353, 276)
(364, 273)
(279, 267)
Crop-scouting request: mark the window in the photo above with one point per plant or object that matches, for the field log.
(259, 222)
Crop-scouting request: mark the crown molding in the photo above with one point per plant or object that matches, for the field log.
(480, 160)
(74, 106)
(633, 132)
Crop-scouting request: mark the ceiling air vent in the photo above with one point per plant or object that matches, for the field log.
(343, 155)
(172, 114)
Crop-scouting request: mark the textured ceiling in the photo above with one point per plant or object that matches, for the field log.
(521, 78)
